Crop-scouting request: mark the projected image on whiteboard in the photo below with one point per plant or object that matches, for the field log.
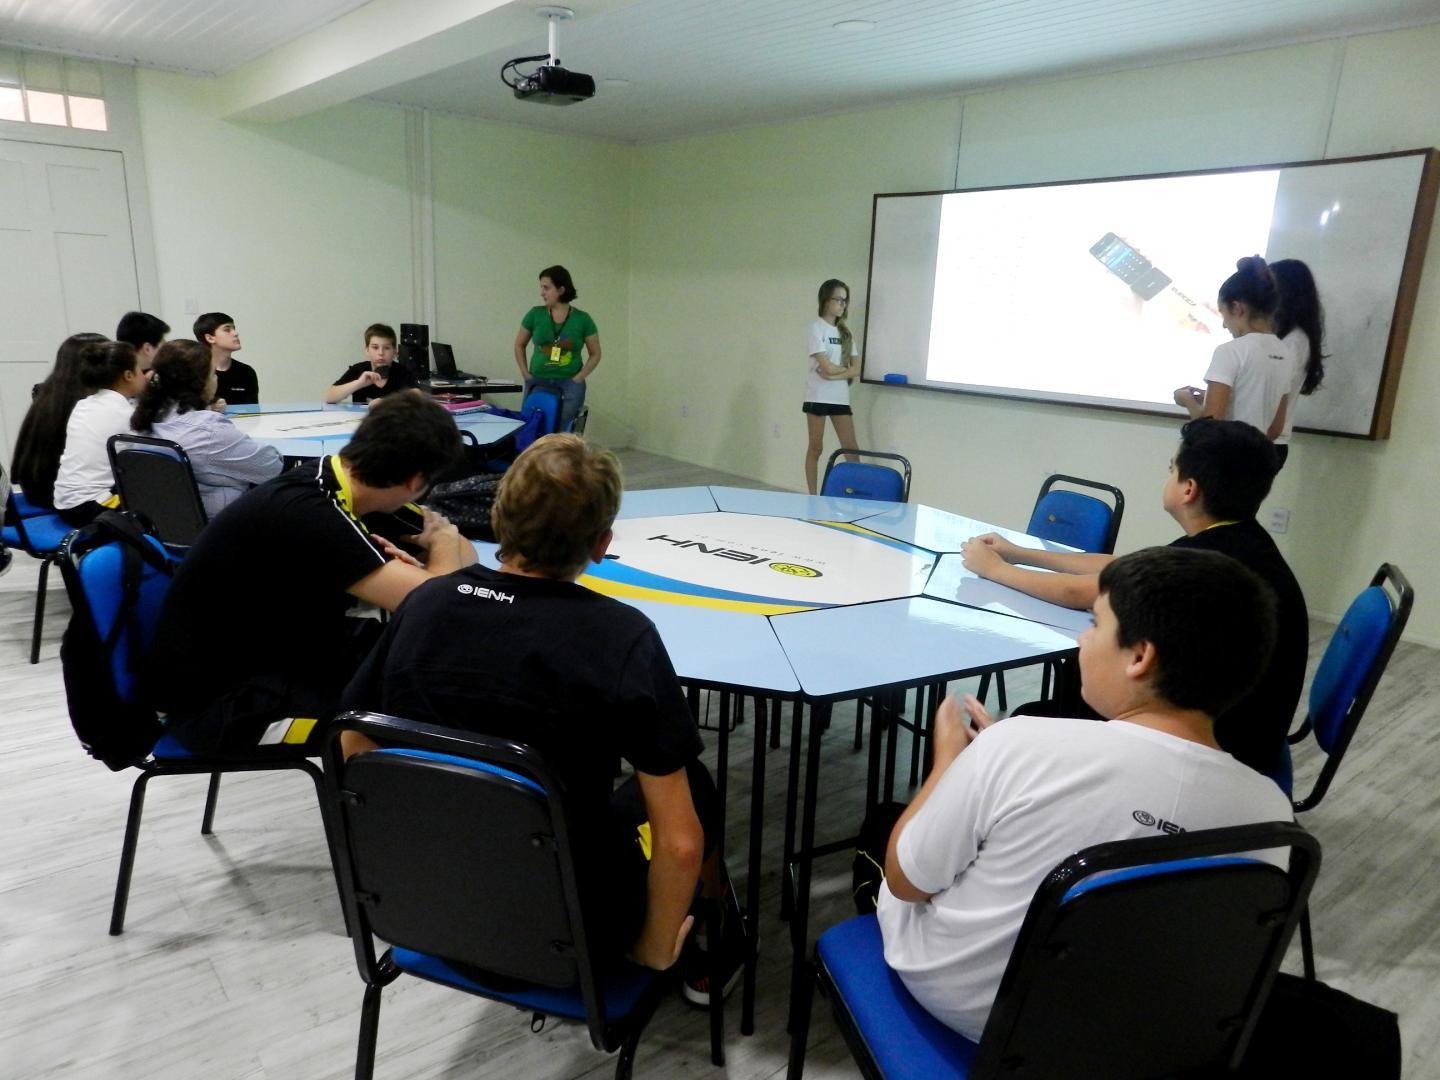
(1101, 291)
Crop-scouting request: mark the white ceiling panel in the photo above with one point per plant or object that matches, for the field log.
(698, 66)
(704, 65)
(208, 37)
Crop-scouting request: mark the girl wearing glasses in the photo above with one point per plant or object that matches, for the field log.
(833, 363)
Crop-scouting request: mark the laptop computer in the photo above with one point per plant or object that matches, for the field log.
(445, 369)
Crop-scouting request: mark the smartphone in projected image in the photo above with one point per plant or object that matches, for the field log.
(1131, 267)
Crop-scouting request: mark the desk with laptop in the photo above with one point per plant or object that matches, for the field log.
(447, 381)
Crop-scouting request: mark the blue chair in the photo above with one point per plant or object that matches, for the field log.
(864, 479)
(155, 478)
(1078, 520)
(93, 569)
(1074, 518)
(1136, 959)
(39, 532)
(1358, 653)
(544, 402)
(455, 849)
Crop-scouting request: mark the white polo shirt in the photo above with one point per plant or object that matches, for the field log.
(85, 474)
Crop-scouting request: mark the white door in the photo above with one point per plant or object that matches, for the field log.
(67, 261)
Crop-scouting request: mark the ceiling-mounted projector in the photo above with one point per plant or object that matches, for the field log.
(550, 84)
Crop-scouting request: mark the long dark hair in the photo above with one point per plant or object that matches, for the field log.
(1252, 284)
(103, 363)
(827, 289)
(1300, 309)
(42, 433)
(180, 375)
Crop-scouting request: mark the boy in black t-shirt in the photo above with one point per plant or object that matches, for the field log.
(376, 375)
(236, 381)
(526, 653)
(257, 636)
(1218, 478)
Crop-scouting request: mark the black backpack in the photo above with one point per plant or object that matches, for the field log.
(108, 713)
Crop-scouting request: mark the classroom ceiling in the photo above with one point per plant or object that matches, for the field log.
(670, 68)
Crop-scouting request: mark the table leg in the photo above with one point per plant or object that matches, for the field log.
(722, 766)
(799, 921)
(764, 711)
(792, 793)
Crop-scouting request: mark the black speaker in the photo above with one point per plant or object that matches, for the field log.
(414, 351)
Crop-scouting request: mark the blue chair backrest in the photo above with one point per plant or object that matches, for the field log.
(1068, 517)
(1153, 953)
(1348, 660)
(545, 403)
(862, 480)
(100, 573)
(457, 857)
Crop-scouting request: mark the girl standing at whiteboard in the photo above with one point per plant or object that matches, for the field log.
(833, 362)
(1300, 325)
(1249, 377)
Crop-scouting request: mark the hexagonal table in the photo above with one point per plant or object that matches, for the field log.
(815, 600)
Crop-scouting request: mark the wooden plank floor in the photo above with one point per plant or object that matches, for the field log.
(234, 965)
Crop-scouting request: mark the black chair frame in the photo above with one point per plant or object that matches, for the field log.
(151, 767)
(46, 559)
(379, 971)
(189, 516)
(993, 1058)
(885, 455)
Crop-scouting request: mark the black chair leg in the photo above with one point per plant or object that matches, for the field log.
(127, 854)
(211, 796)
(1307, 947)
(800, 1029)
(859, 724)
(369, 1031)
(625, 1063)
(1000, 690)
(39, 629)
(716, 952)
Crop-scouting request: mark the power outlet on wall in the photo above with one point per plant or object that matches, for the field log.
(192, 306)
(684, 410)
(1279, 519)
(774, 431)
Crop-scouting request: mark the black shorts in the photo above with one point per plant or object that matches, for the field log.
(821, 408)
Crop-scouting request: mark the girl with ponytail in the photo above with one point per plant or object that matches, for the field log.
(1249, 377)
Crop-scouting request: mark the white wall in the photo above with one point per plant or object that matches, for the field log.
(741, 228)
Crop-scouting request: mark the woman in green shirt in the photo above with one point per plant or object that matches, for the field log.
(557, 329)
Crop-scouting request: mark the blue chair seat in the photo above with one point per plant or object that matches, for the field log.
(622, 992)
(905, 1040)
(44, 531)
(171, 749)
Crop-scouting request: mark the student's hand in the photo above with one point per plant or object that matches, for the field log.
(662, 959)
(437, 529)
(394, 552)
(953, 732)
(368, 378)
(578, 377)
(984, 555)
(218, 405)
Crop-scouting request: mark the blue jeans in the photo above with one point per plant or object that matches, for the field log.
(572, 397)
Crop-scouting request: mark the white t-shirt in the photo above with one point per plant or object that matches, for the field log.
(85, 474)
(1025, 795)
(1257, 368)
(825, 339)
(1298, 344)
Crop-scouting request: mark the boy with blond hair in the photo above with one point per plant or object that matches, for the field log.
(524, 652)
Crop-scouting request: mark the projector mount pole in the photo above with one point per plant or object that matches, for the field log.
(554, 15)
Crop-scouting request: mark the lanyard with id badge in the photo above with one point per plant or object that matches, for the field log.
(556, 329)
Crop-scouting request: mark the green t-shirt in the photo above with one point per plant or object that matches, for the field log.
(571, 335)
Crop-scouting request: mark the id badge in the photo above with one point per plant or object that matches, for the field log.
(555, 355)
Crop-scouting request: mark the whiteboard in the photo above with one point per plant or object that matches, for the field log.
(1101, 292)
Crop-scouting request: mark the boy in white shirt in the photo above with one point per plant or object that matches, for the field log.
(1179, 635)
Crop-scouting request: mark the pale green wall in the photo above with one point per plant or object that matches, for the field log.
(510, 202)
(300, 230)
(732, 234)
